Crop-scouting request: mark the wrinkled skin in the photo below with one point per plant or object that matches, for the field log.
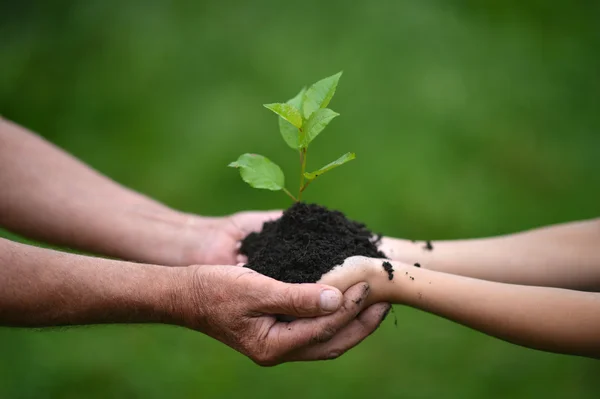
(237, 306)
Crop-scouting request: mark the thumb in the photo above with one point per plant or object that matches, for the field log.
(302, 300)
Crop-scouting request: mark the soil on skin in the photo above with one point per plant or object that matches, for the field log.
(387, 266)
(306, 242)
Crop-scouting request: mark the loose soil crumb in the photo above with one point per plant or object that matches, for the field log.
(387, 266)
(307, 242)
(428, 246)
(417, 264)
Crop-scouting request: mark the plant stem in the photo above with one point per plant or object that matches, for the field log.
(302, 170)
(290, 194)
(306, 185)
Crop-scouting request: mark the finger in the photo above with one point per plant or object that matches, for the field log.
(300, 300)
(248, 222)
(302, 332)
(371, 270)
(347, 338)
(352, 271)
(241, 259)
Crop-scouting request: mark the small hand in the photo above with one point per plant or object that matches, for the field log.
(216, 240)
(237, 306)
(370, 270)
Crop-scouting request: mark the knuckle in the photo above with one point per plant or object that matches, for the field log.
(291, 298)
(324, 334)
(357, 260)
(333, 354)
(265, 353)
(264, 359)
(362, 265)
(294, 299)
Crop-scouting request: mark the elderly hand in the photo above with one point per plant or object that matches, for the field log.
(216, 240)
(237, 306)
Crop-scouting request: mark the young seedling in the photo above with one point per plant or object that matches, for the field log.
(301, 120)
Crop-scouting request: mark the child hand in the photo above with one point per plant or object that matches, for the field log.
(382, 280)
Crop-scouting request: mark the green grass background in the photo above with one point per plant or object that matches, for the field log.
(468, 118)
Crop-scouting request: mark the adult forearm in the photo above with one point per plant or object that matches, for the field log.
(49, 195)
(565, 256)
(40, 287)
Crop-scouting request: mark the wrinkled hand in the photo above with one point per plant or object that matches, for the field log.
(237, 306)
(216, 240)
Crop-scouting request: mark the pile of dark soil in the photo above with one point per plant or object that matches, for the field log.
(307, 242)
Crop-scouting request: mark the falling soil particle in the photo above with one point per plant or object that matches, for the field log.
(387, 266)
(417, 264)
(428, 246)
(306, 242)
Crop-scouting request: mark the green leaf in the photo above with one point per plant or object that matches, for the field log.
(320, 94)
(287, 112)
(298, 99)
(316, 123)
(349, 156)
(259, 172)
(289, 132)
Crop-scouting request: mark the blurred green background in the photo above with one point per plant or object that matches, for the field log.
(468, 118)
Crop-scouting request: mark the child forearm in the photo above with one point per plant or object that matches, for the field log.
(549, 319)
(565, 256)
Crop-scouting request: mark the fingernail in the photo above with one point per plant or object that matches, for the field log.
(330, 300)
